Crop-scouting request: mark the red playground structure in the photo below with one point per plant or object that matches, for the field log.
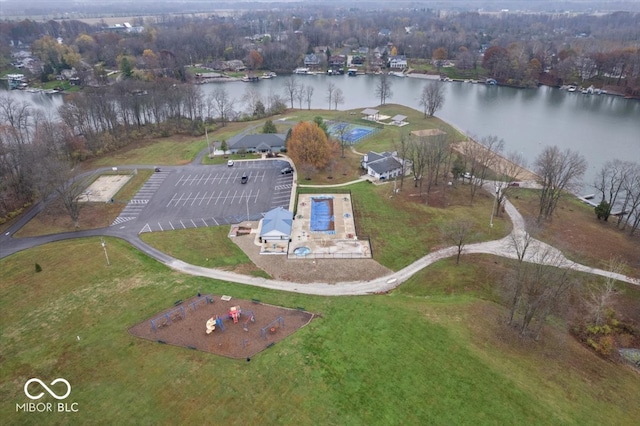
(234, 313)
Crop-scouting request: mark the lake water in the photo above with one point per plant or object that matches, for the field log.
(601, 127)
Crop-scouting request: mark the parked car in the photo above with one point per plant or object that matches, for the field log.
(230, 163)
(157, 169)
(244, 178)
(286, 170)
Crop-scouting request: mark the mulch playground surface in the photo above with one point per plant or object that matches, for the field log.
(259, 325)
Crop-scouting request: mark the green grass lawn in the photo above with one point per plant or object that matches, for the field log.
(402, 229)
(424, 359)
(171, 151)
(209, 247)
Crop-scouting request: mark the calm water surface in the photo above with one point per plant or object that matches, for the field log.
(601, 127)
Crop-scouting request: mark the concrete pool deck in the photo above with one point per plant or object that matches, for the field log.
(344, 243)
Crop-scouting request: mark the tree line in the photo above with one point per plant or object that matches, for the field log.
(518, 49)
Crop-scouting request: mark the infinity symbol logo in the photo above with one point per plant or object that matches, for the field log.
(52, 393)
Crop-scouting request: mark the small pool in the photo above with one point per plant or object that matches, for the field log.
(301, 251)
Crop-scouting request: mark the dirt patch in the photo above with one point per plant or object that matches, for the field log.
(104, 188)
(311, 270)
(523, 173)
(258, 327)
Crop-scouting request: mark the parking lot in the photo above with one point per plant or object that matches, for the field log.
(197, 196)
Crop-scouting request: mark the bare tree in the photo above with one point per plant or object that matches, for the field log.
(508, 172)
(459, 233)
(308, 94)
(631, 203)
(432, 98)
(251, 98)
(383, 88)
(543, 284)
(221, 103)
(291, 88)
(610, 181)
(519, 242)
(338, 98)
(598, 298)
(403, 149)
(559, 171)
(56, 179)
(331, 88)
(342, 131)
(418, 156)
(436, 149)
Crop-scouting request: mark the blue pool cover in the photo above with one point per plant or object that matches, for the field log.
(321, 217)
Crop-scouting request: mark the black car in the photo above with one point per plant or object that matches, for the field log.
(286, 171)
(244, 178)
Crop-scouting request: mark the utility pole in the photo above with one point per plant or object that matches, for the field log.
(104, 247)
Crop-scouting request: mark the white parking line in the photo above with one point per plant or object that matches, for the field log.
(234, 196)
(194, 224)
(202, 199)
(183, 225)
(195, 198)
(171, 201)
(171, 224)
(256, 198)
(205, 223)
(187, 199)
(160, 226)
(210, 197)
(215, 221)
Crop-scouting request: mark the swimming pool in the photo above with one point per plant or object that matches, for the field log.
(322, 218)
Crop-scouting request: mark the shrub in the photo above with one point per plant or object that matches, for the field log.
(38, 267)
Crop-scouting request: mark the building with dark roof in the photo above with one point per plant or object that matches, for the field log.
(384, 165)
(261, 142)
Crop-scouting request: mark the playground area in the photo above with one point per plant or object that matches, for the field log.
(324, 228)
(104, 188)
(353, 133)
(222, 325)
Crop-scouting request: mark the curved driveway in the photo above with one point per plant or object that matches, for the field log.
(502, 247)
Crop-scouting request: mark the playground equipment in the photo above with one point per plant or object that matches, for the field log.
(272, 327)
(212, 323)
(234, 313)
(166, 319)
(250, 318)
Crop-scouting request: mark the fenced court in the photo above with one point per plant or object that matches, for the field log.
(354, 133)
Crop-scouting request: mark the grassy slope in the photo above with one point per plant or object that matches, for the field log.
(367, 360)
(209, 247)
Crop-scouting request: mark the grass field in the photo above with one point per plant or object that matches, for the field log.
(575, 230)
(410, 355)
(434, 351)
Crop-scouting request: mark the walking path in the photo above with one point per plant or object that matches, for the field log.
(502, 247)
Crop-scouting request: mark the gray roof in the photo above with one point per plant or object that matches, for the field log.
(259, 141)
(384, 165)
(398, 117)
(277, 222)
(369, 111)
